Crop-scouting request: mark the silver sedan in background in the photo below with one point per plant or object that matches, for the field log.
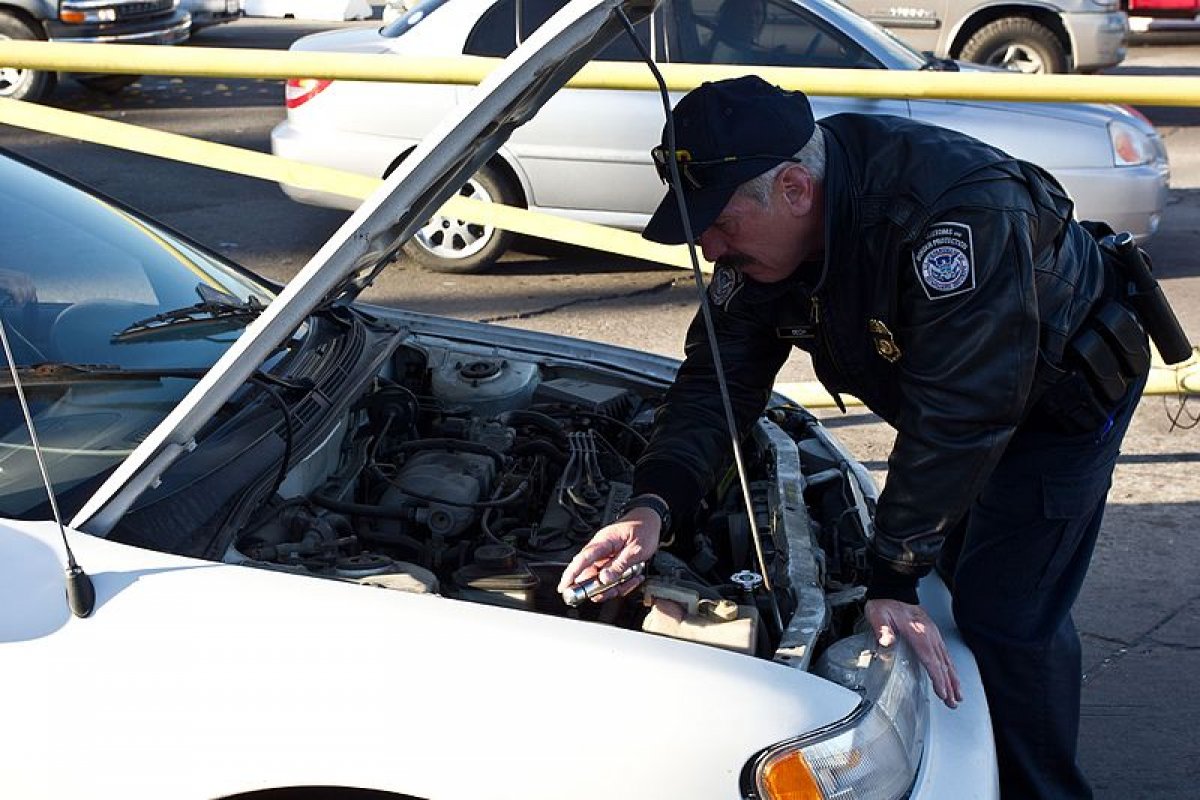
(586, 156)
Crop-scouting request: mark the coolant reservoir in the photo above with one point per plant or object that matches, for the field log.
(727, 625)
(487, 386)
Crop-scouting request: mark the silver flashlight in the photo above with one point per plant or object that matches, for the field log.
(577, 594)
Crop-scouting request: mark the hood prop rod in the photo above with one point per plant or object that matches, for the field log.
(739, 461)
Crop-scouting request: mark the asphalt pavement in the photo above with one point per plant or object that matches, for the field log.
(1139, 614)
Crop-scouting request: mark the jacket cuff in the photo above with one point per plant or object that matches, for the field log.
(672, 483)
(889, 584)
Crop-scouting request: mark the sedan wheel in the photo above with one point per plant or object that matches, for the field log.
(448, 244)
(17, 83)
(1017, 43)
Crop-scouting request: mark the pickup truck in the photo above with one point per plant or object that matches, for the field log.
(109, 21)
(1025, 35)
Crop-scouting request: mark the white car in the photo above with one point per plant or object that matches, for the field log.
(323, 538)
(587, 156)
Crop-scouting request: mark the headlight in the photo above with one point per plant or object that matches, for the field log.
(873, 754)
(1129, 145)
(85, 16)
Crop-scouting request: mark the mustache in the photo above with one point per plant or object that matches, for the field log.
(734, 260)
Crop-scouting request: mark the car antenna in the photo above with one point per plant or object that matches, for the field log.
(676, 183)
(81, 594)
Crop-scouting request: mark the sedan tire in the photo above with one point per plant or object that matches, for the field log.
(1017, 43)
(447, 244)
(17, 83)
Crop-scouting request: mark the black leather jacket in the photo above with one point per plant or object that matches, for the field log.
(952, 276)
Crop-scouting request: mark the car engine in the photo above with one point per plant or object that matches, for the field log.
(480, 477)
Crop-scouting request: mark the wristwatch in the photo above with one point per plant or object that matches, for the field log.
(652, 502)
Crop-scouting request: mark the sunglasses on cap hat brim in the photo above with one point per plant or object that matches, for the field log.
(708, 172)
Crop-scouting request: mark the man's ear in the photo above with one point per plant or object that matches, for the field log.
(798, 189)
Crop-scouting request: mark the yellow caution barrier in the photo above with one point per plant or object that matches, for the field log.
(1179, 379)
(214, 62)
(350, 184)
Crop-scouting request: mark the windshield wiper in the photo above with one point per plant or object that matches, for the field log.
(58, 373)
(50, 374)
(216, 308)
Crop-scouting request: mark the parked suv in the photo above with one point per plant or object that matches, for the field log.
(1025, 35)
(107, 21)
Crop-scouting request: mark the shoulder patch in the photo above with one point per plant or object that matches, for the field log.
(944, 261)
(724, 284)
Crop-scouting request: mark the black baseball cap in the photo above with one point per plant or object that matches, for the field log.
(726, 132)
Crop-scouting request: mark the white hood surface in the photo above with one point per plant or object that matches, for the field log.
(408, 692)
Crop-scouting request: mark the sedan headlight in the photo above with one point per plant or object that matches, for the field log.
(1129, 145)
(873, 754)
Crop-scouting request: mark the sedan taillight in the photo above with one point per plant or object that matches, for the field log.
(298, 91)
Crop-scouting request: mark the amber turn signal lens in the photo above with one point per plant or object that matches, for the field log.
(788, 777)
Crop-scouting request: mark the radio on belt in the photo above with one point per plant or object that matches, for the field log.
(575, 595)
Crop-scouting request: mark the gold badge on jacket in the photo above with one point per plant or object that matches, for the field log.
(885, 343)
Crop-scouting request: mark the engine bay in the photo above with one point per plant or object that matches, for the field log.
(478, 477)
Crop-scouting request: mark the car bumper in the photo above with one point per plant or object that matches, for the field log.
(1097, 40)
(1127, 198)
(170, 29)
(337, 149)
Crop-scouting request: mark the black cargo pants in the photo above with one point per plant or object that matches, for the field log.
(1016, 562)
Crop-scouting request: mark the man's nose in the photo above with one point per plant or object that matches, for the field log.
(712, 245)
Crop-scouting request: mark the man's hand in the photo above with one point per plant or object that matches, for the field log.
(614, 549)
(892, 618)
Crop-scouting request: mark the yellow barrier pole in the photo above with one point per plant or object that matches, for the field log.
(1180, 379)
(350, 184)
(232, 63)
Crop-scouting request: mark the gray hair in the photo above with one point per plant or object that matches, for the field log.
(811, 157)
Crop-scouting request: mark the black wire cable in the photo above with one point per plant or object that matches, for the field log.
(288, 427)
(582, 412)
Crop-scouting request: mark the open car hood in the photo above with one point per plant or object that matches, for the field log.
(374, 234)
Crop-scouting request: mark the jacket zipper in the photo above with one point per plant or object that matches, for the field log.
(816, 317)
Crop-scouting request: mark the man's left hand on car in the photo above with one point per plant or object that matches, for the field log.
(894, 618)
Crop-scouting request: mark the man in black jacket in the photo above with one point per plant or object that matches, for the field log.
(945, 285)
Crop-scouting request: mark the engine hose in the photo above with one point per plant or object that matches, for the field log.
(359, 509)
(393, 539)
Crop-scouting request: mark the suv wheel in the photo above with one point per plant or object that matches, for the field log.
(447, 244)
(1017, 43)
(17, 83)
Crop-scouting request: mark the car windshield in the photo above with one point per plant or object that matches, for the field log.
(74, 273)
